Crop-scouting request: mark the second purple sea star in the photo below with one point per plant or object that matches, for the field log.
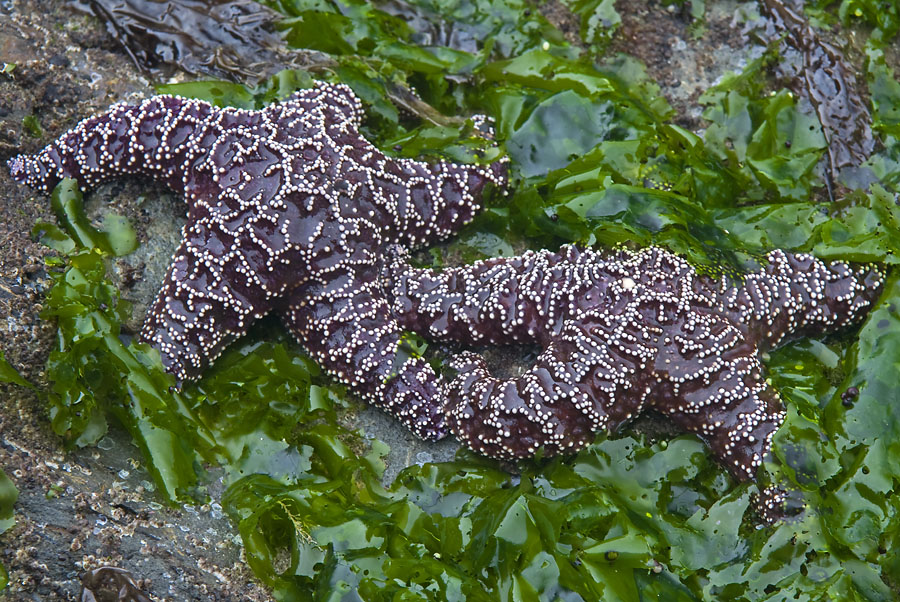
(624, 332)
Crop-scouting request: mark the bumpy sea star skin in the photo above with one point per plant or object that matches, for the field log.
(622, 333)
(289, 210)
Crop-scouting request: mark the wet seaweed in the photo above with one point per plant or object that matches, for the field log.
(234, 39)
(817, 70)
(8, 496)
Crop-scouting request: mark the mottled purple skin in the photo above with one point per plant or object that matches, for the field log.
(290, 210)
(621, 333)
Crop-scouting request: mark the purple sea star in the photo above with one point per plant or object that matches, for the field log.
(621, 333)
(290, 210)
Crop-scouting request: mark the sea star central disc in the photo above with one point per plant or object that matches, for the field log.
(289, 210)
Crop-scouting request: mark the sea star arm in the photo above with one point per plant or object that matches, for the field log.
(497, 301)
(346, 325)
(430, 201)
(710, 382)
(160, 138)
(436, 200)
(209, 297)
(170, 139)
(796, 294)
(415, 203)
